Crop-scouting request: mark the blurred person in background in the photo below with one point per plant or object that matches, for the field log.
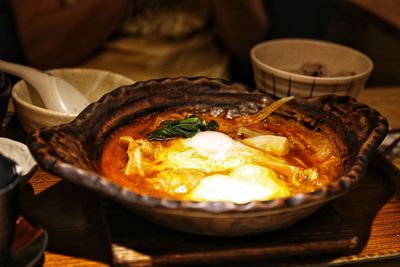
(141, 39)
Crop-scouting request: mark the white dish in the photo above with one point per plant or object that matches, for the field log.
(20, 154)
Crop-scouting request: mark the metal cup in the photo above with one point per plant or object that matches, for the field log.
(9, 180)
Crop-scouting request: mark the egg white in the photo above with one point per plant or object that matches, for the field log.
(230, 171)
(244, 184)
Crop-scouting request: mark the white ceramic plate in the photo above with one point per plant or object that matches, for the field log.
(19, 153)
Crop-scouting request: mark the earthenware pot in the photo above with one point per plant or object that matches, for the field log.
(72, 150)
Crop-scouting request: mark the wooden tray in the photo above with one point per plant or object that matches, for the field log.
(360, 227)
(132, 236)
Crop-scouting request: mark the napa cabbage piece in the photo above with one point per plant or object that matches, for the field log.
(176, 181)
(140, 154)
(274, 144)
(248, 132)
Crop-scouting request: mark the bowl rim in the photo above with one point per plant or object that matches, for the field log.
(305, 78)
(95, 181)
(19, 100)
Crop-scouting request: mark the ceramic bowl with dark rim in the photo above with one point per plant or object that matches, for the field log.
(72, 150)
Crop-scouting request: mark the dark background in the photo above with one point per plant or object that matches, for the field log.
(338, 21)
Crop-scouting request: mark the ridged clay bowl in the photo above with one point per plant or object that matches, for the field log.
(72, 150)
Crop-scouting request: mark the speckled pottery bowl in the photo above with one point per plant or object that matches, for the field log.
(93, 83)
(72, 150)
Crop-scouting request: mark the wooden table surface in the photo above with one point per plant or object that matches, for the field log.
(78, 235)
(386, 100)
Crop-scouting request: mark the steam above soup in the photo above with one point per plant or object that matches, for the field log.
(202, 157)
